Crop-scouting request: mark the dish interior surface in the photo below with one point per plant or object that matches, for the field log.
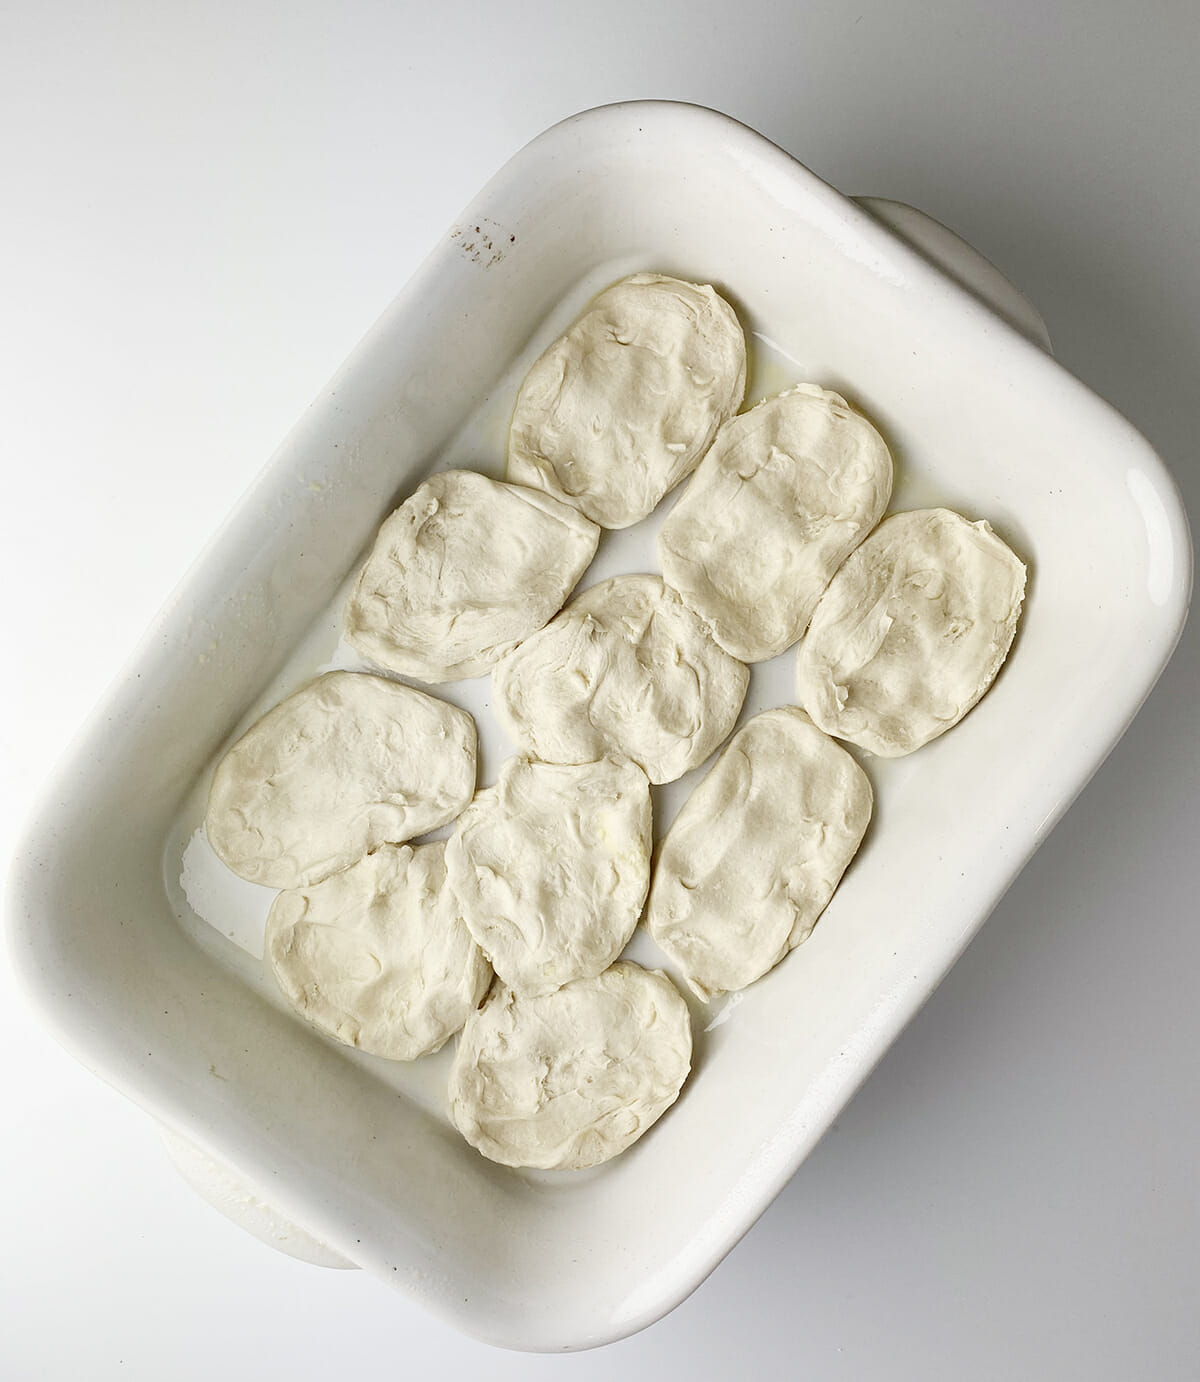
(146, 952)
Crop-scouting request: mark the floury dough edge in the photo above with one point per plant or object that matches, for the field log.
(572, 1078)
(625, 669)
(756, 852)
(461, 572)
(347, 763)
(623, 405)
(911, 631)
(379, 956)
(550, 868)
(787, 490)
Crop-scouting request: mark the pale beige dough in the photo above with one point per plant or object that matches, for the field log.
(620, 408)
(756, 851)
(572, 1078)
(787, 490)
(625, 669)
(378, 956)
(911, 631)
(345, 764)
(462, 571)
(551, 867)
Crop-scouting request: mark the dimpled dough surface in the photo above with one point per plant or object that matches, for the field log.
(787, 490)
(911, 631)
(620, 408)
(378, 956)
(756, 851)
(345, 764)
(551, 868)
(572, 1078)
(628, 669)
(462, 571)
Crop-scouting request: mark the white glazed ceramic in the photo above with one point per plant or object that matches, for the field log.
(229, 1193)
(226, 1189)
(154, 983)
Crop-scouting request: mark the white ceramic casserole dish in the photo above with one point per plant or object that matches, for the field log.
(155, 985)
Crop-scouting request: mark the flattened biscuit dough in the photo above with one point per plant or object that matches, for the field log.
(378, 956)
(551, 867)
(462, 571)
(620, 408)
(345, 764)
(911, 631)
(625, 669)
(571, 1079)
(786, 492)
(756, 851)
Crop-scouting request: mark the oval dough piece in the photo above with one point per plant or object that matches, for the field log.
(620, 408)
(626, 669)
(345, 764)
(462, 571)
(786, 492)
(756, 851)
(572, 1078)
(911, 631)
(378, 956)
(551, 868)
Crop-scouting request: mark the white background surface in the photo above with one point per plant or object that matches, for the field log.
(202, 207)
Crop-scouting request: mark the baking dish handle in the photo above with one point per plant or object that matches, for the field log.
(963, 263)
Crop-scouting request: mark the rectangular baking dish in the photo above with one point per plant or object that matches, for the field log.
(155, 986)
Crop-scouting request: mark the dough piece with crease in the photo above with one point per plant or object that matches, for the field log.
(551, 867)
(626, 669)
(345, 764)
(786, 492)
(911, 631)
(620, 408)
(756, 851)
(462, 571)
(378, 956)
(572, 1078)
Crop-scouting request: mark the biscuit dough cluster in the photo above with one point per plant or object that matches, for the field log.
(509, 934)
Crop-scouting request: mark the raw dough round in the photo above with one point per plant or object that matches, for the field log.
(551, 867)
(756, 851)
(345, 764)
(621, 407)
(911, 631)
(786, 492)
(462, 571)
(571, 1079)
(378, 956)
(626, 669)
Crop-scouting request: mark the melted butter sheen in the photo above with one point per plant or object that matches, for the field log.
(620, 408)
